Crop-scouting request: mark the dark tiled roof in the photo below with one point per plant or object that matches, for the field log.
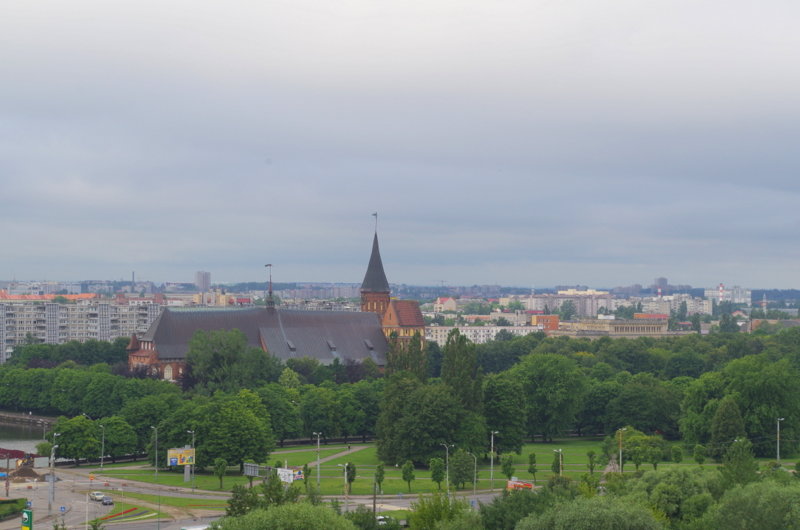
(323, 335)
(375, 279)
(408, 313)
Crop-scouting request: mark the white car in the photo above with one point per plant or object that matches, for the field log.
(97, 495)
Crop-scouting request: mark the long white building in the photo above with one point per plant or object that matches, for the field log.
(476, 334)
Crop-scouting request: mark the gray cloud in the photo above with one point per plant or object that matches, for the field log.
(516, 143)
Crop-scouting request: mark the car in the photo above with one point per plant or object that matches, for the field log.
(107, 500)
(97, 495)
(383, 520)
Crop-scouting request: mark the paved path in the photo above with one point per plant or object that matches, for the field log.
(353, 449)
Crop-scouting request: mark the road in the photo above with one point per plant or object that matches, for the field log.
(72, 508)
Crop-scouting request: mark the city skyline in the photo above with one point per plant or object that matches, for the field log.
(530, 144)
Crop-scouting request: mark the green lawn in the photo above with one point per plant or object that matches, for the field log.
(365, 460)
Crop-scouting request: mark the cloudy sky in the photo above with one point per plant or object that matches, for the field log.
(517, 142)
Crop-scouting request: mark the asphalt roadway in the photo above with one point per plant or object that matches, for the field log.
(72, 508)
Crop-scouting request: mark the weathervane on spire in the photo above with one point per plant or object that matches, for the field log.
(269, 302)
(375, 215)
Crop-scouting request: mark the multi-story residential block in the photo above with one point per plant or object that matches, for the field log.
(56, 323)
(587, 303)
(672, 303)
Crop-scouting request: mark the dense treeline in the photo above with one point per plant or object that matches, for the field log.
(82, 353)
(534, 387)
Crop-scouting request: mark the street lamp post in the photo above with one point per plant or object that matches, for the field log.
(194, 461)
(155, 460)
(52, 496)
(474, 475)
(317, 434)
(779, 440)
(346, 492)
(619, 443)
(560, 461)
(102, 446)
(447, 468)
(491, 461)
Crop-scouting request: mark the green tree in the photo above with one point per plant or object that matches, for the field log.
(592, 457)
(437, 469)
(297, 515)
(764, 505)
(699, 454)
(393, 410)
(727, 324)
(460, 371)
(379, 476)
(739, 465)
(413, 423)
(408, 473)
(350, 476)
(120, 438)
(504, 409)
(462, 467)
(236, 428)
(408, 356)
(431, 511)
(726, 426)
(242, 501)
(222, 360)
(508, 508)
(507, 465)
(599, 512)
(532, 469)
(274, 493)
(283, 411)
(677, 454)
(318, 410)
(79, 437)
(220, 468)
(554, 386)
(567, 310)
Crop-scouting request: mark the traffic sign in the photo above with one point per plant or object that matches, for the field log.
(62, 509)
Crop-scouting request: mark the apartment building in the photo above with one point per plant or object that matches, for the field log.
(56, 323)
(672, 303)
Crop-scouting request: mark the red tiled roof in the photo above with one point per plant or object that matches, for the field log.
(408, 313)
(5, 296)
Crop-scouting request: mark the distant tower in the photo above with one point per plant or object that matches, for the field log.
(375, 287)
(721, 293)
(764, 304)
(202, 281)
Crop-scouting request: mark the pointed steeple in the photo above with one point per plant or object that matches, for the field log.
(375, 279)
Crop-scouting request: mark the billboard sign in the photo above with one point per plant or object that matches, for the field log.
(180, 457)
(286, 474)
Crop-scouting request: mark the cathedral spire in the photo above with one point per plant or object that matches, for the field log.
(375, 287)
(375, 279)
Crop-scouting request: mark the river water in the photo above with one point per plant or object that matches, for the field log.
(20, 436)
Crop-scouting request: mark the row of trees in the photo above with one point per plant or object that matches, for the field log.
(233, 427)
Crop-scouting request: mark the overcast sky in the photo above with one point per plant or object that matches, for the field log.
(516, 142)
